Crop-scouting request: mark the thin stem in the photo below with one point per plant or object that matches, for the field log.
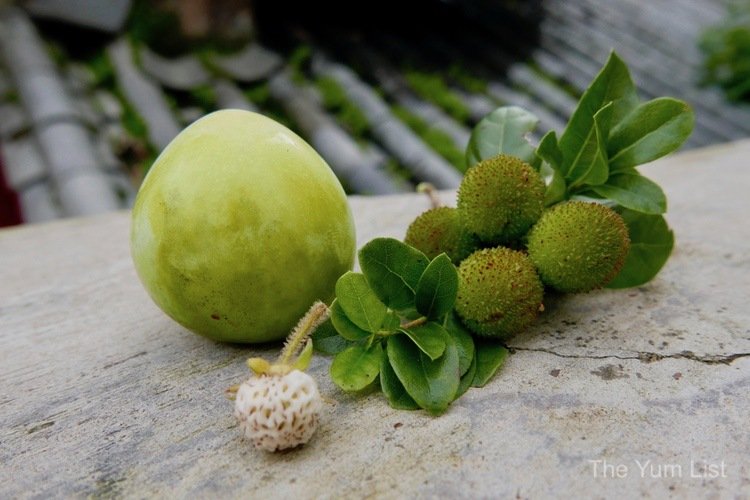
(429, 190)
(417, 322)
(296, 341)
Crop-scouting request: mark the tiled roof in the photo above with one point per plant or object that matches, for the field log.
(62, 134)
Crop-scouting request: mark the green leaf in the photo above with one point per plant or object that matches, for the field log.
(549, 151)
(467, 378)
(429, 337)
(490, 357)
(327, 340)
(612, 84)
(551, 169)
(344, 325)
(437, 288)
(359, 302)
(651, 243)
(393, 389)
(392, 322)
(652, 130)
(393, 270)
(631, 190)
(464, 341)
(556, 186)
(503, 131)
(304, 358)
(356, 367)
(589, 165)
(432, 384)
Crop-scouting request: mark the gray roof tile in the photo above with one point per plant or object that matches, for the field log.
(183, 73)
(84, 193)
(108, 104)
(251, 64)
(38, 204)
(400, 141)
(46, 98)
(359, 170)
(105, 16)
(23, 161)
(79, 78)
(146, 97)
(21, 45)
(14, 120)
(229, 96)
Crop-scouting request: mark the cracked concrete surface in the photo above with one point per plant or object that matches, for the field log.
(612, 394)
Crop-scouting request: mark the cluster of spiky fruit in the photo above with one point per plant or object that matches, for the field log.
(508, 247)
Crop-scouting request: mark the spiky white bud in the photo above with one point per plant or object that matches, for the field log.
(276, 412)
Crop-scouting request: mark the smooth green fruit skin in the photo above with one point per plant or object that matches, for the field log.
(499, 292)
(500, 199)
(440, 230)
(578, 246)
(239, 227)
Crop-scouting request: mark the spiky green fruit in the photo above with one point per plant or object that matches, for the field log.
(578, 246)
(500, 199)
(440, 230)
(499, 292)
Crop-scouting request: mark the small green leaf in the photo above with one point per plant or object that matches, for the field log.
(393, 389)
(356, 367)
(631, 190)
(304, 358)
(651, 243)
(490, 357)
(392, 322)
(437, 288)
(652, 130)
(327, 340)
(393, 270)
(503, 131)
(429, 337)
(549, 151)
(612, 84)
(556, 186)
(467, 378)
(464, 341)
(359, 302)
(551, 169)
(432, 384)
(344, 325)
(589, 165)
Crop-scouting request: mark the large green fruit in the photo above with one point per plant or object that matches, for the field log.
(239, 227)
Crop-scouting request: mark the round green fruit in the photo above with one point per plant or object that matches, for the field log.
(500, 199)
(499, 292)
(578, 246)
(440, 230)
(239, 227)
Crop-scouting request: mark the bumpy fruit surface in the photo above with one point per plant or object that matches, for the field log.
(500, 199)
(499, 292)
(440, 230)
(238, 227)
(578, 246)
(278, 412)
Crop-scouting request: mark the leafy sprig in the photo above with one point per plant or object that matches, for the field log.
(596, 157)
(393, 325)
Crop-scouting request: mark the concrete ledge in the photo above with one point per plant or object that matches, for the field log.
(102, 394)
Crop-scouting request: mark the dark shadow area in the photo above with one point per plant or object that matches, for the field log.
(429, 34)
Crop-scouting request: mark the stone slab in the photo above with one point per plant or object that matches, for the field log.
(101, 394)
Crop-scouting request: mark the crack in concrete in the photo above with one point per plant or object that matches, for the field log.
(646, 357)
